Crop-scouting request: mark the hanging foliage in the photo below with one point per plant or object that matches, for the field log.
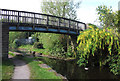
(95, 38)
(100, 43)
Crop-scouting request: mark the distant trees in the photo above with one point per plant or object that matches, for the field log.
(13, 36)
(107, 17)
(101, 44)
(57, 43)
(65, 9)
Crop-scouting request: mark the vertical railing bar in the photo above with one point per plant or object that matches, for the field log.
(3, 15)
(18, 17)
(54, 21)
(6, 16)
(59, 24)
(73, 25)
(64, 22)
(33, 16)
(12, 16)
(33, 21)
(9, 16)
(69, 26)
(85, 26)
(39, 19)
(18, 20)
(25, 17)
(47, 20)
(77, 28)
(28, 17)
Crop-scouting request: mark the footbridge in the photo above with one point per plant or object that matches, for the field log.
(14, 20)
(37, 22)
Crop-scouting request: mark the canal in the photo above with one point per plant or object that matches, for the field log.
(71, 70)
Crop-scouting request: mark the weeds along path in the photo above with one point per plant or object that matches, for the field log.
(21, 70)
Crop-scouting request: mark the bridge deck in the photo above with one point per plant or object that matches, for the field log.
(30, 21)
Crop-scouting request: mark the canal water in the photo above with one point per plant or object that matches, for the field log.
(71, 70)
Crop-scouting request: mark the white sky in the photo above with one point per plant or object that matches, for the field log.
(86, 13)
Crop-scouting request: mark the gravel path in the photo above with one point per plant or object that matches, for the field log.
(21, 70)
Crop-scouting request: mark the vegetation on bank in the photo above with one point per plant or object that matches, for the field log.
(39, 73)
(11, 54)
(100, 44)
(36, 71)
(31, 48)
(7, 69)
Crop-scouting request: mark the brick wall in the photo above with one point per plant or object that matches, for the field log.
(0, 40)
(5, 40)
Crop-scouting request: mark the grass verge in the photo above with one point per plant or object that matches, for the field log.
(39, 73)
(44, 52)
(12, 54)
(31, 48)
(7, 69)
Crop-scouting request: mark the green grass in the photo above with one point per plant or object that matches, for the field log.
(31, 48)
(39, 73)
(12, 54)
(43, 51)
(7, 69)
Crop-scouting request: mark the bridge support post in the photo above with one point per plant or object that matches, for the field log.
(73, 42)
(4, 40)
(0, 51)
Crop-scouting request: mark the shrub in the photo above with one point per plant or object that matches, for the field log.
(98, 44)
(38, 45)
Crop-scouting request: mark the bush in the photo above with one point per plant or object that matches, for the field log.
(98, 44)
(38, 45)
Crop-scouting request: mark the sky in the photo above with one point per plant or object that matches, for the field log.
(86, 13)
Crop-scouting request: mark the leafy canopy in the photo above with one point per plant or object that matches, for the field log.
(107, 17)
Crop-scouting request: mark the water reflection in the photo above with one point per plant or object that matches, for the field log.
(72, 71)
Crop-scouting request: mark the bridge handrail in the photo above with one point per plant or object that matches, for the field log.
(33, 13)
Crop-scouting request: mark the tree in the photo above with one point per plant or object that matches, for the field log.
(119, 20)
(107, 17)
(95, 43)
(15, 35)
(62, 9)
